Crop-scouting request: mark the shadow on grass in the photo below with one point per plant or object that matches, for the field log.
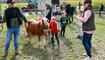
(67, 42)
(71, 27)
(37, 53)
(94, 51)
(4, 58)
(56, 54)
(13, 57)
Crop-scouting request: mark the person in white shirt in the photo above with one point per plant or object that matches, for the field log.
(79, 10)
(79, 7)
(79, 25)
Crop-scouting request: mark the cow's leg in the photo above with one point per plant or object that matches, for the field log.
(29, 39)
(45, 41)
(29, 35)
(39, 40)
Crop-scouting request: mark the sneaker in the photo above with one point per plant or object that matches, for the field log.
(17, 53)
(84, 54)
(87, 58)
(5, 54)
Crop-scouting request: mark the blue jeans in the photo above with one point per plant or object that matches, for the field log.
(71, 16)
(68, 18)
(80, 32)
(10, 32)
(87, 43)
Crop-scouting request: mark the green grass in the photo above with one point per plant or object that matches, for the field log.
(71, 48)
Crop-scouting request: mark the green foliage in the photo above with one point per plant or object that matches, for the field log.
(96, 3)
(20, 5)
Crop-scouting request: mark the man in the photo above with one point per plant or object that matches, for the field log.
(101, 10)
(68, 14)
(63, 7)
(13, 17)
(71, 12)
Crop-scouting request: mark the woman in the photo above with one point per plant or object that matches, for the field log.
(48, 11)
(88, 26)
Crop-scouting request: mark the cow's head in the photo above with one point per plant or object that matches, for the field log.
(45, 23)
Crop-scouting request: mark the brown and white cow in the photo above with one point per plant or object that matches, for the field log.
(37, 28)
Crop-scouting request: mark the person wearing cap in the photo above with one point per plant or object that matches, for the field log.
(54, 30)
(13, 17)
(88, 27)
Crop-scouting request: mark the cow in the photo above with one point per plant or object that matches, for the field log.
(39, 28)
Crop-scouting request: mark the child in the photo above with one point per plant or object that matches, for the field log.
(57, 14)
(63, 21)
(40, 16)
(54, 30)
(79, 25)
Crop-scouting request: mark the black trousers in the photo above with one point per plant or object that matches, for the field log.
(56, 36)
(63, 30)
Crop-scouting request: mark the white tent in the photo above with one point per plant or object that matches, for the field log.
(41, 4)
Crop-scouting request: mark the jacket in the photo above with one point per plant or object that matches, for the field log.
(53, 27)
(63, 21)
(13, 17)
(90, 24)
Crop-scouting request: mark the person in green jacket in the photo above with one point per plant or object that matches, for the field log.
(63, 21)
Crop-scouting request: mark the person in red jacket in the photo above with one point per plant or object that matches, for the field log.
(54, 30)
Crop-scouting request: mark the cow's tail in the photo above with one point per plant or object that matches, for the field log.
(27, 26)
